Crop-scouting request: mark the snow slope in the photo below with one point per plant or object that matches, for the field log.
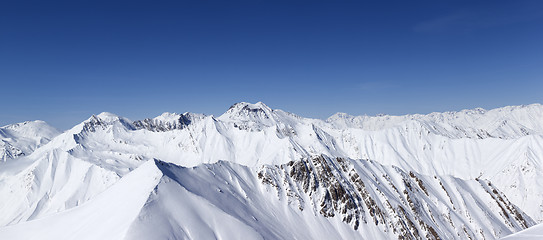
(533, 233)
(450, 154)
(107, 216)
(224, 200)
(506, 122)
(21, 139)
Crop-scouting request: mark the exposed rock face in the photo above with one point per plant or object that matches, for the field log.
(92, 124)
(166, 122)
(8, 151)
(406, 204)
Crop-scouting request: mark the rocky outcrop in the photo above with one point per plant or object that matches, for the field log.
(405, 204)
(181, 121)
(8, 151)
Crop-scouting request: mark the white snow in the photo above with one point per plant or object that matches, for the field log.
(21, 139)
(60, 174)
(533, 233)
(107, 216)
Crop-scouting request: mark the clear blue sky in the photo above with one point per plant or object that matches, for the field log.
(64, 61)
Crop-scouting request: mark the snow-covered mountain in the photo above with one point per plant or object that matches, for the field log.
(21, 139)
(506, 122)
(271, 174)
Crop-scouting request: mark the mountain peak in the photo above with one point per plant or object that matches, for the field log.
(249, 106)
(340, 115)
(168, 117)
(248, 111)
(107, 117)
(168, 121)
(21, 139)
(103, 119)
(368, 173)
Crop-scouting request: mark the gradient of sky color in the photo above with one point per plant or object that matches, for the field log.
(62, 61)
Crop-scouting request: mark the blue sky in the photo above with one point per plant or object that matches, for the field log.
(62, 61)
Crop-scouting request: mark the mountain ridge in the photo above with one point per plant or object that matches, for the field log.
(77, 166)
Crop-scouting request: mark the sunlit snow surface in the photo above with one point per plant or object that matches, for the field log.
(110, 177)
(533, 233)
(21, 139)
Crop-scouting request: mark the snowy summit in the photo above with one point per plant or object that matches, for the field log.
(260, 173)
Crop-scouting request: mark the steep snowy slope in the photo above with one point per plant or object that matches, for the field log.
(53, 183)
(454, 156)
(21, 139)
(61, 174)
(313, 198)
(515, 165)
(533, 233)
(226, 200)
(436, 144)
(156, 203)
(107, 216)
(404, 204)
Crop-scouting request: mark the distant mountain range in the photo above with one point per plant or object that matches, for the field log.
(261, 173)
